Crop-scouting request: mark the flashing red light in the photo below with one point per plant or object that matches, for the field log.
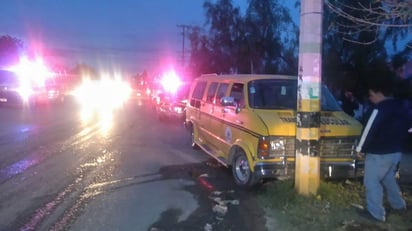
(170, 82)
(32, 72)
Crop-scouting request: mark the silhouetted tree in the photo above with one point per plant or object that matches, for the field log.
(224, 21)
(10, 50)
(356, 34)
(262, 41)
(272, 37)
(200, 53)
(388, 19)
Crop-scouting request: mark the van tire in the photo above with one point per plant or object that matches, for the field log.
(192, 138)
(241, 171)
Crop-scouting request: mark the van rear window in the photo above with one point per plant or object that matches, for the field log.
(199, 90)
(197, 94)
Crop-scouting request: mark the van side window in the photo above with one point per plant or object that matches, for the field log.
(198, 94)
(211, 91)
(221, 91)
(237, 93)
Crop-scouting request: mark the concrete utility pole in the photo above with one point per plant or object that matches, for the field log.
(307, 169)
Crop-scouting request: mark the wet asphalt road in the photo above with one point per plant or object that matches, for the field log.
(58, 172)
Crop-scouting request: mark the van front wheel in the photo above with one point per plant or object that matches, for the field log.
(241, 171)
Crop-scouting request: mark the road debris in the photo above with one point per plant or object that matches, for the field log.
(221, 210)
(208, 227)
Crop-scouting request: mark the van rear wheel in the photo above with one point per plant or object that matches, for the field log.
(242, 173)
(192, 138)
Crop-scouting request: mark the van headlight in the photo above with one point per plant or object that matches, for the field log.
(271, 147)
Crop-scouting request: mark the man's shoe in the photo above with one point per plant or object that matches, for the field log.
(367, 215)
(399, 212)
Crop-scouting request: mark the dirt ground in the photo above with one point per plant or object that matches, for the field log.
(406, 169)
(405, 182)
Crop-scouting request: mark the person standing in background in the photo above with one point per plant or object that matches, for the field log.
(404, 93)
(349, 103)
(381, 144)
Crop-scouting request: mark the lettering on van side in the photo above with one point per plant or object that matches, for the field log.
(323, 121)
(333, 121)
(288, 119)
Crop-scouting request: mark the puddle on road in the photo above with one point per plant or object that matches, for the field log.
(217, 209)
(222, 205)
(21, 135)
(43, 153)
(22, 165)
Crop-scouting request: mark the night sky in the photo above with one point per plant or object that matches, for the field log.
(128, 36)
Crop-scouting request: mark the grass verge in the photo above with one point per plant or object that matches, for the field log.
(333, 208)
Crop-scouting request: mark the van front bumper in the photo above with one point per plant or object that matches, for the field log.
(328, 170)
(342, 170)
(274, 170)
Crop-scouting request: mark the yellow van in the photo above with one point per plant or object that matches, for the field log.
(248, 123)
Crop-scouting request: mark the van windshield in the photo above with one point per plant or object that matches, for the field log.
(282, 94)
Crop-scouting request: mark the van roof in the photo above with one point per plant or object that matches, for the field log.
(243, 77)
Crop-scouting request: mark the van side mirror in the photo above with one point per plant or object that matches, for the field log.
(227, 101)
(230, 101)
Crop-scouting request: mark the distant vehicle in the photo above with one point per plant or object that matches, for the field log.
(98, 99)
(15, 90)
(139, 92)
(170, 95)
(139, 89)
(155, 95)
(172, 105)
(10, 92)
(52, 91)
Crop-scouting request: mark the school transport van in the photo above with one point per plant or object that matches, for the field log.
(248, 124)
